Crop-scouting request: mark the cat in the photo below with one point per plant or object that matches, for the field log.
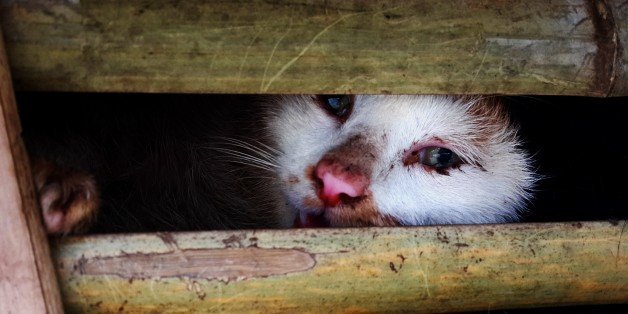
(277, 162)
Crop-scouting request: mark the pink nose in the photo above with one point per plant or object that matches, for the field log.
(338, 182)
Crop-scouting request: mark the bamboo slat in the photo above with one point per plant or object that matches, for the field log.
(27, 279)
(620, 12)
(300, 46)
(424, 269)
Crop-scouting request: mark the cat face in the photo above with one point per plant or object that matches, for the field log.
(397, 160)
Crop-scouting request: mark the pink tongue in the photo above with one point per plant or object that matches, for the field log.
(311, 221)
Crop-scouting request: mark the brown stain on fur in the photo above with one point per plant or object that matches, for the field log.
(491, 119)
(292, 180)
(362, 213)
(357, 154)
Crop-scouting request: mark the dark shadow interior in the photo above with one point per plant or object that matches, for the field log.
(580, 147)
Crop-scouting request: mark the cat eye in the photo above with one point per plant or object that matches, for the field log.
(434, 157)
(439, 157)
(337, 105)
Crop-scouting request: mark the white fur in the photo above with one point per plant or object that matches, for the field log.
(304, 132)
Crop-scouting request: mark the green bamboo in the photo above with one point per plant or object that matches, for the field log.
(336, 46)
(424, 269)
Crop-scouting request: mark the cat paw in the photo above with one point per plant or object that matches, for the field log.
(69, 200)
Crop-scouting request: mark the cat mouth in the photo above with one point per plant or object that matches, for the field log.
(311, 220)
(327, 215)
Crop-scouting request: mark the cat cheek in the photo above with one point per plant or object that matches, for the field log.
(312, 202)
(300, 192)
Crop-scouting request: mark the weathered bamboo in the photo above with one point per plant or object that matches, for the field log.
(27, 279)
(620, 16)
(424, 269)
(336, 46)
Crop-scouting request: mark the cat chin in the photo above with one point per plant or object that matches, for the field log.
(357, 213)
(311, 220)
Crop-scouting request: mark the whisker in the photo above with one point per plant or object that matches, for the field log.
(259, 177)
(245, 156)
(252, 148)
(266, 146)
(268, 154)
(252, 165)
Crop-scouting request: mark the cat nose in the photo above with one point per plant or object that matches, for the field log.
(339, 183)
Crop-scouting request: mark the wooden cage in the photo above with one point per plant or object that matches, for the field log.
(560, 47)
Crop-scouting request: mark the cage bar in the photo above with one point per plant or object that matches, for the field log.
(553, 47)
(27, 277)
(423, 269)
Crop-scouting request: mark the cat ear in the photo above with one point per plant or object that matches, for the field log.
(69, 199)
